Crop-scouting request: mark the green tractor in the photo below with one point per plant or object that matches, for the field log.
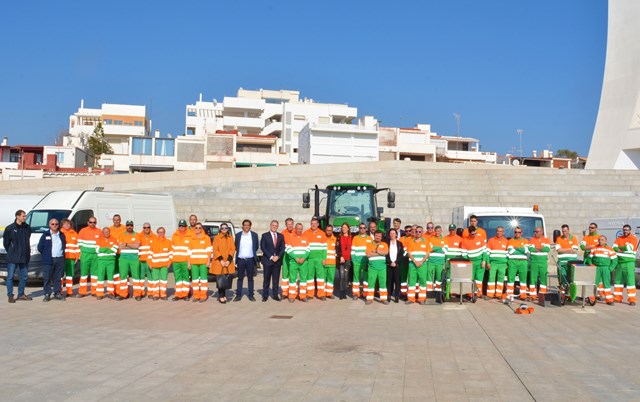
(350, 203)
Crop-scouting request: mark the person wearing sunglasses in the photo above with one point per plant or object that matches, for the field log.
(145, 237)
(224, 250)
(71, 254)
(539, 247)
(181, 241)
(129, 261)
(87, 239)
(517, 263)
(200, 254)
(605, 260)
(417, 250)
(359, 245)
(473, 249)
(51, 246)
(589, 242)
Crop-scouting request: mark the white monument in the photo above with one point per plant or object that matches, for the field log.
(616, 138)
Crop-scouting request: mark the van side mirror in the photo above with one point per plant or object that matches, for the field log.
(306, 200)
(380, 210)
(391, 199)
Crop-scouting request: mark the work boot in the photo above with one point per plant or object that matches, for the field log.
(24, 297)
(11, 299)
(46, 298)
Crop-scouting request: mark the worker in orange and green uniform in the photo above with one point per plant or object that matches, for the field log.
(417, 251)
(71, 254)
(145, 237)
(517, 263)
(330, 262)
(201, 252)
(181, 240)
(129, 260)
(567, 246)
(496, 258)
(298, 251)
(589, 242)
(317, 255)
(539, 247)
(107, 249)
(288, 231)
(473, 249)
(87, 239)
(359, 245)
(116, 230)
(435, 264)
(605, 260)
(160, 257)
(625, 246)
(404, 263)
(376, 253)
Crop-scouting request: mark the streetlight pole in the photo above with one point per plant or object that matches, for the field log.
(520, 132)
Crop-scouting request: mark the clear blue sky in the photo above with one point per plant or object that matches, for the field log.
(502, 64)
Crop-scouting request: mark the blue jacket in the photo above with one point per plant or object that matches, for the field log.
(16, 240)
(46, 244)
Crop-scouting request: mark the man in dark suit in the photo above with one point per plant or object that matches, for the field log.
(246, 258)
(272, 246)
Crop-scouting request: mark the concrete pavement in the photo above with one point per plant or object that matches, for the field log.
(84, 349)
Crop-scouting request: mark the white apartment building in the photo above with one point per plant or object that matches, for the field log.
(119, 122)
(461, 150)
(335, 143)
(278, 113)
(407, 143)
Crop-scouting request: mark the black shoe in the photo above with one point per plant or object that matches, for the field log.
(138, 298)
(277, 298)
(323, 298)
(395, 299)
(99, 297)
(305, 300)
(264, 299)
(251, 298)
(79, 296)
(237, 298)
(59, 296)
(110, 296)
(385, 302)
(118, 298)
(46, 298)
(11, 299)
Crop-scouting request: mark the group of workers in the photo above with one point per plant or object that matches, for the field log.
(401, 264)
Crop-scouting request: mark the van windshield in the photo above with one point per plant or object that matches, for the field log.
(39, 219)
(527, 223)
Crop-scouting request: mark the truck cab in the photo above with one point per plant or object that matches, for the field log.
(489, 218)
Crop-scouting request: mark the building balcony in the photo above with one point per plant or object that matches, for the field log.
(123, 131)
(471, 156)
(243, 104)
(230, 122)
(274, 128)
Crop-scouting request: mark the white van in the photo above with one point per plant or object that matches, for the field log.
(79, 206)
(489, 218)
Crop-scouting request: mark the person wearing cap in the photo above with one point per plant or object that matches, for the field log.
(181, 241)
(497, 263)
(625, 247)
(605, 260)
(517, 263)
(145, 237)
(539, 247)
(129, 261)
(87, 239)
(473, 249)
(200, 254)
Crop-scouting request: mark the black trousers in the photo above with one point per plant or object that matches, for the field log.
(53, 275)
(271, 276)
(393, 280)
(245, 267)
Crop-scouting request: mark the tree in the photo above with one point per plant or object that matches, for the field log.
(567, 153)
(98, 145)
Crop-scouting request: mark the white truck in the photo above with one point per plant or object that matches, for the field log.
(489, 218)
(79, 206)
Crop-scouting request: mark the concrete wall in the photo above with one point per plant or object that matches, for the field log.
(424, 190)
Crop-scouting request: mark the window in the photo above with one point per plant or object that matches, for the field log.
(264, 148)
(117, 122)
(137, 123)
(60, 157)
(191, 112)
(323, 120)
(164, 147)
(191, 131)
(14, 156)
(141, 146)
(300, 117)
(108, 121)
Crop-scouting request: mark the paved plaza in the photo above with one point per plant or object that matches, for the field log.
(85, 350)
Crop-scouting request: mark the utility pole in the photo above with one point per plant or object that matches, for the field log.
(457, 116)
(520, 132)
